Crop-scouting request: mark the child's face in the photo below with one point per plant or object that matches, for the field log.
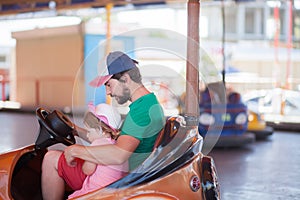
(93, 127)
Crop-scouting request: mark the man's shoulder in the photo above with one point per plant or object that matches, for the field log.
(147, 101)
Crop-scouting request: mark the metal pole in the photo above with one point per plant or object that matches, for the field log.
(192, 64)
(109, 6)
(3, 90)
(223, 42)
(108, 28)
(276, 42)
(289, 43)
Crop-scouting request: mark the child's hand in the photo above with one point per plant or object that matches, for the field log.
(88, 168)
(94, 134)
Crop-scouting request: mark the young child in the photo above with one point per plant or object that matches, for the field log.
(102, 123)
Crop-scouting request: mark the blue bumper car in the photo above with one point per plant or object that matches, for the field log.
(224, 125)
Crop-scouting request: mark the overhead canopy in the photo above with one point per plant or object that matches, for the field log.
(8, 7)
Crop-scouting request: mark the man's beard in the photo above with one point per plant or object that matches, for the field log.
(125, 96)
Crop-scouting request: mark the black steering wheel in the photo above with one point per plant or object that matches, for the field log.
(59, 127)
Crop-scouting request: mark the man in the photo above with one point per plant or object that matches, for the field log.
(138, 132)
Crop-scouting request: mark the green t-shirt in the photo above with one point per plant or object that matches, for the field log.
(144, 121)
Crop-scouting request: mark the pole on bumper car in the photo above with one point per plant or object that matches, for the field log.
(192, 64)
(108, 8)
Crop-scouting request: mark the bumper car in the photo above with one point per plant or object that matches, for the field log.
(258, 126)
(176, 169)
(280, 107)
(225, 123)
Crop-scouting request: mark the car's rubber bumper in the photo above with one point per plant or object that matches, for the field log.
(262, 134)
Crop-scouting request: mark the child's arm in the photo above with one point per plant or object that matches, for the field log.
(81, 132)
(88, 168)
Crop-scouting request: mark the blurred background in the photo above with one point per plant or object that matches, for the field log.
(52, 48)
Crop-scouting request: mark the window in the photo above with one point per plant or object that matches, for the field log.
(2, 58)
(250, 21)
(230, 20)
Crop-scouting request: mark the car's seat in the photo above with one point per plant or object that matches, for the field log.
(167, 133)
(234, 98)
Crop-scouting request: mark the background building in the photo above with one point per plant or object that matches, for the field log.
(261, 45)
(262, 38)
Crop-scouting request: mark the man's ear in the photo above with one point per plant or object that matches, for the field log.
(125, 78)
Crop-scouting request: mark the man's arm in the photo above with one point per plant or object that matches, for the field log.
(111, 154)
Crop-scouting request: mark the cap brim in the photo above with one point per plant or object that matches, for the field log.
(100, 80)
